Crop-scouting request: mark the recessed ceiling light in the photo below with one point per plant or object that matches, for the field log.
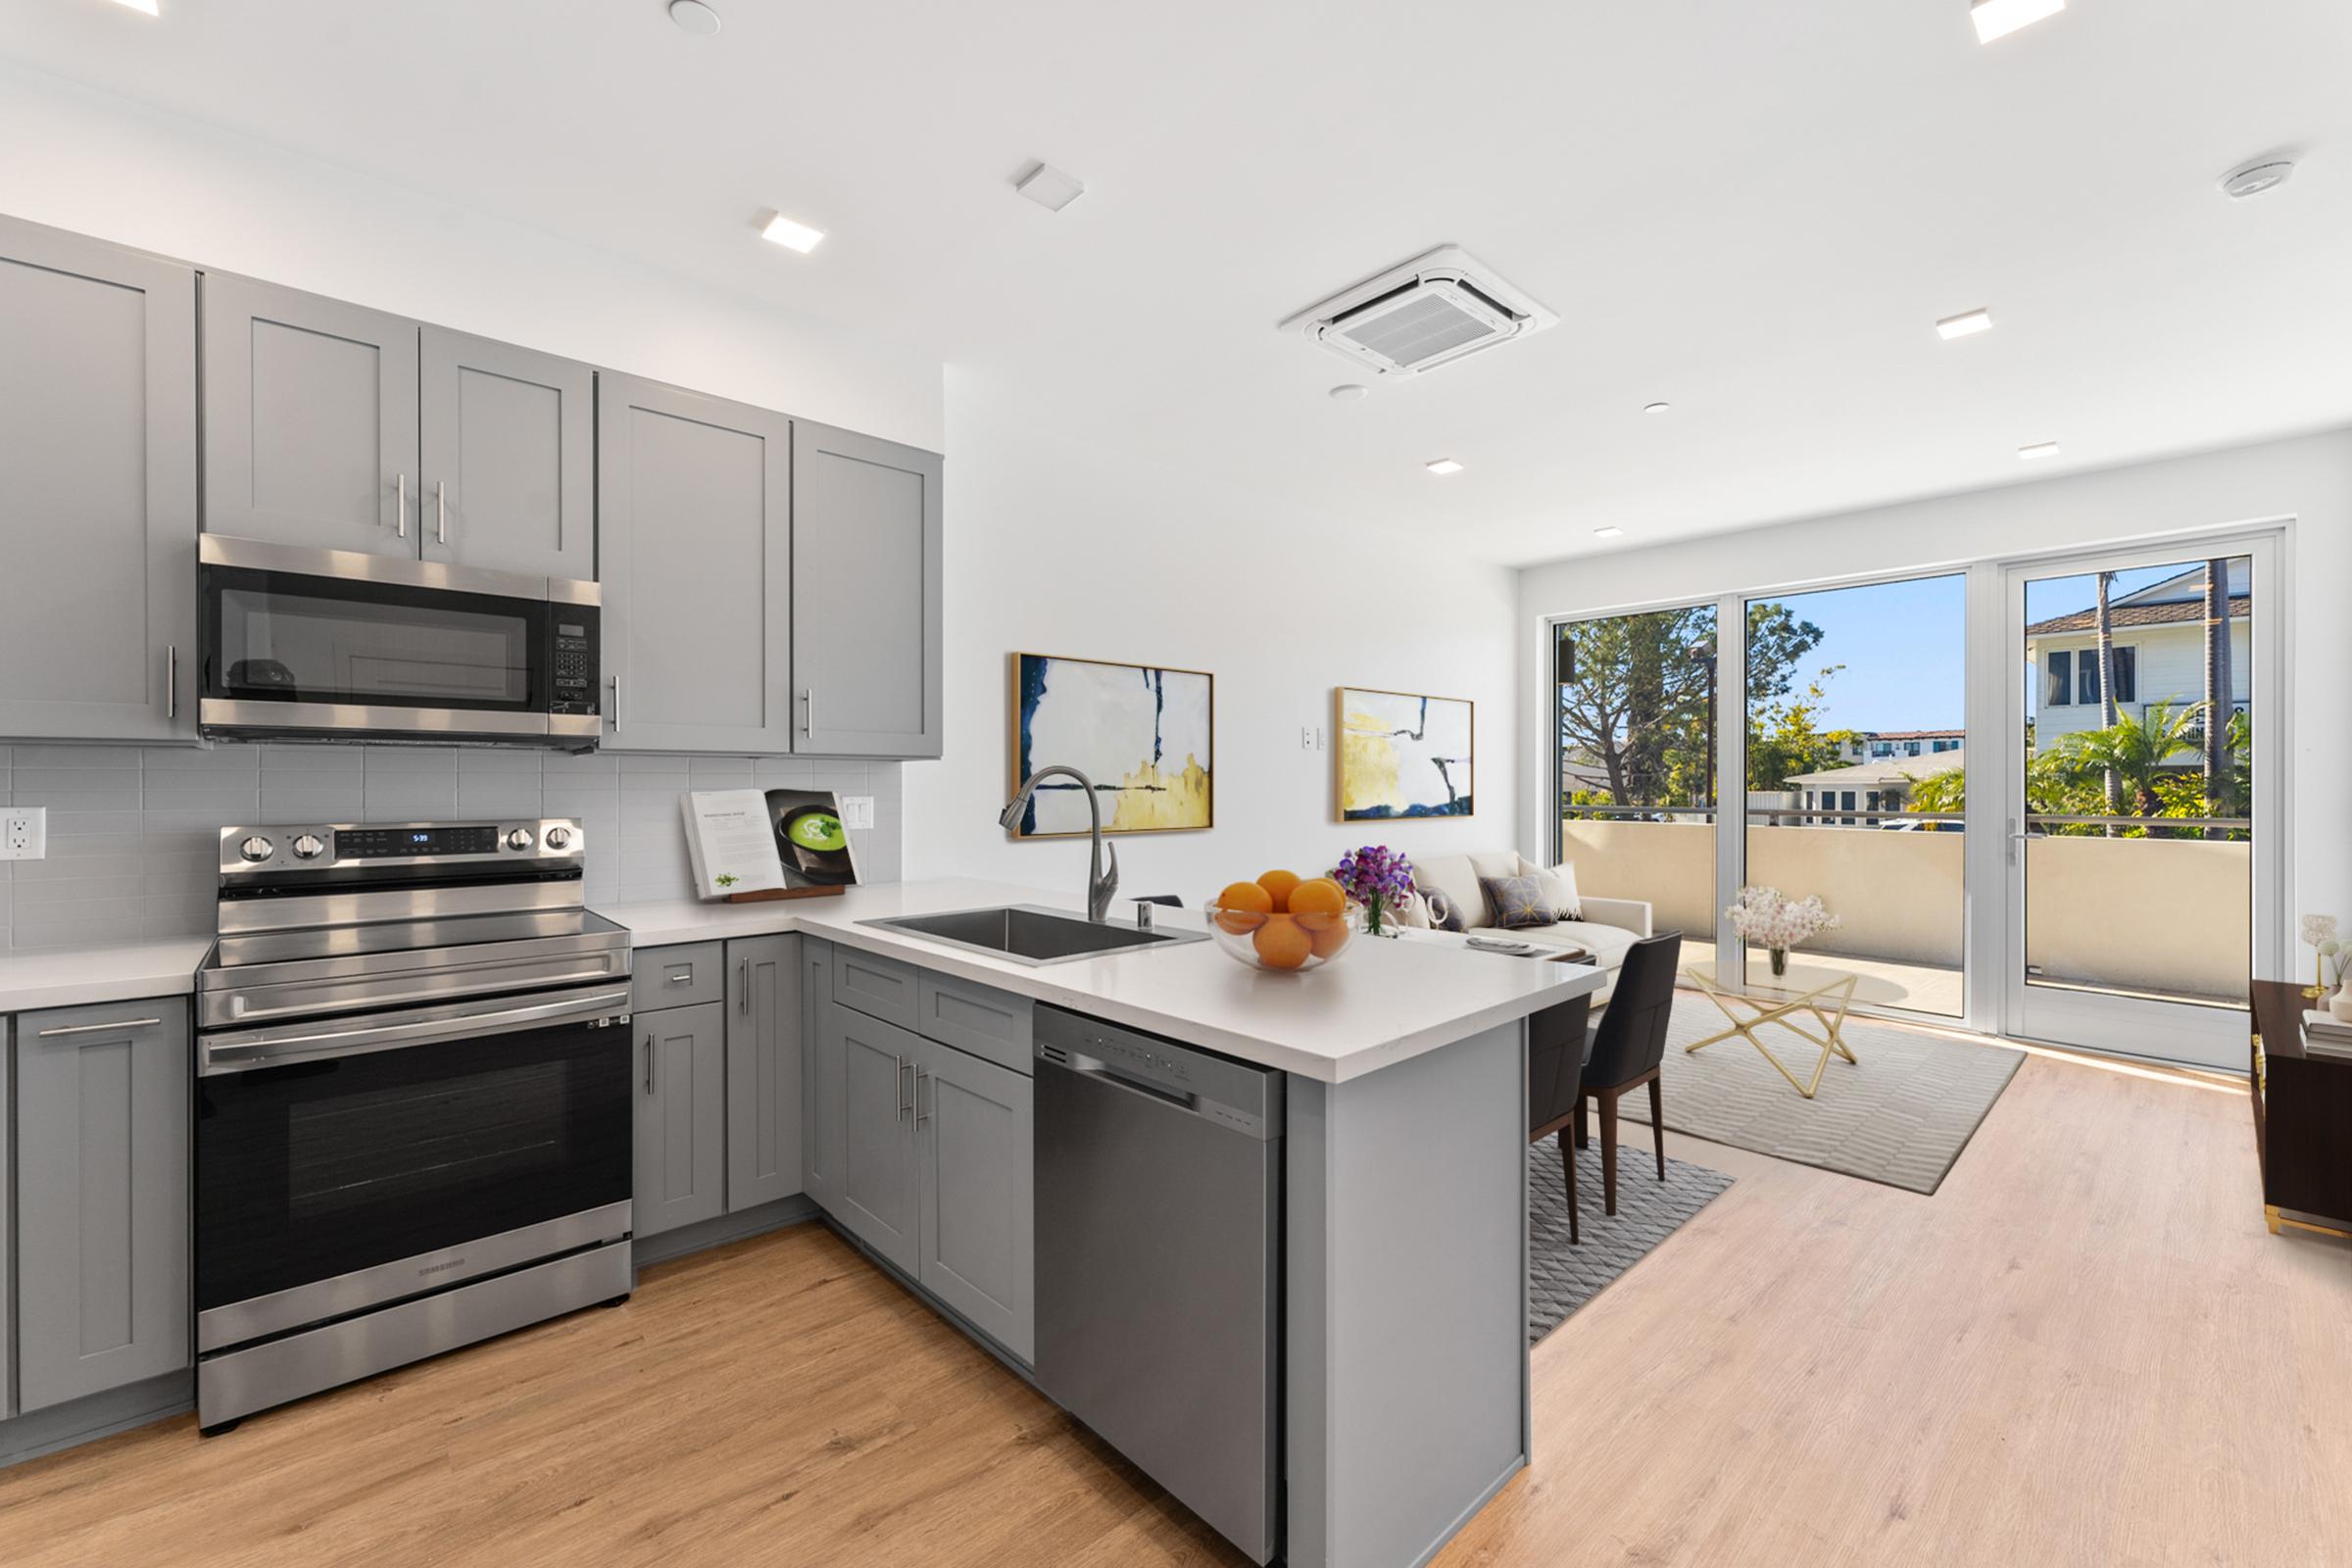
(1997, 19)
(2040, 449)
(1444, 465)
(691, 16)
(1966, 324)
(791, 235)
(1349, 392)
(1051, 187)
(145, 8)
(1656, 408)
(1608, 533)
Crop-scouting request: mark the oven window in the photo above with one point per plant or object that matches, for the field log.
(286, 638)
(316, 1169)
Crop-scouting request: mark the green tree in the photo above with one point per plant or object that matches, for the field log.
(2134, 752)
(1944, 792)
(1785, 737)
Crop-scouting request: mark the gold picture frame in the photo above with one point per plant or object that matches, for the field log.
(1018, 662)
(1340, 759)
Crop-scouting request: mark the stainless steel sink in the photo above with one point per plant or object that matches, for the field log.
(1031, 934)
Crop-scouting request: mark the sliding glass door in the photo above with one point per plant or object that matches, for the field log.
(2140, 797)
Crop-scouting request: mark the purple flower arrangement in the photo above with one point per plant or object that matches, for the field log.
(1377, 877)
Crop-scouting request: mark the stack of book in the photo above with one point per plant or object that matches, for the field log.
(2326, 1035)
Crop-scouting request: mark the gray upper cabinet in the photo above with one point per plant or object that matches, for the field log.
(508, 462)
(866, 586)
(681, 1117)
(310, 419)
(975, 1130)
(103, 1198)
(866, 1127)
(98, 451)
(764, 1070)
(695, 540)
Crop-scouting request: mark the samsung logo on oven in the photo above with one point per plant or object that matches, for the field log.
(442, 1268)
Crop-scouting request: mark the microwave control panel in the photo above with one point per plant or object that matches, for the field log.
(575, 664)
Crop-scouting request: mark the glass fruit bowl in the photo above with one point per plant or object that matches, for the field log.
(1284, 943)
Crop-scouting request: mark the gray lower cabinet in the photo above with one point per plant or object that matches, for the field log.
(764, 1070)
(507, 457)
(865, 1130)
(695, 544)
(310, 419)
(865, 594)
(975, 1130)
(102, 1201)
(681, 1097)
(98, 451)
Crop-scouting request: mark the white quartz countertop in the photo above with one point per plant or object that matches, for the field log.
(1383, 1001)
(127, 971)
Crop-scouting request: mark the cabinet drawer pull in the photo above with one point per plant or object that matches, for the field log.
(743, 986)
(648, 1062)
(682, 975)
(99, 1028)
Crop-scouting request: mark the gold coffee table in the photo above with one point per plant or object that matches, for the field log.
(1815, 1001)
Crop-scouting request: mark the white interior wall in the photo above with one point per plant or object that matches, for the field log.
(104, 166)
(1054, 547)
(2305, 478)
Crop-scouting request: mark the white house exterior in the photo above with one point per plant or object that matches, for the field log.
(1881, 784)
(2159, 640)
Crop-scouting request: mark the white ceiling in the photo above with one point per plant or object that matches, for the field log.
(1756, 209)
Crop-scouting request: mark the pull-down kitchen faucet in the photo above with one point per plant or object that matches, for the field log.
(1101, 884)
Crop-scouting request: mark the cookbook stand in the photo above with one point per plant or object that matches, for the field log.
(766, 894)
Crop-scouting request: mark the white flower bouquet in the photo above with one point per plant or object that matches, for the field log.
(1768, 919)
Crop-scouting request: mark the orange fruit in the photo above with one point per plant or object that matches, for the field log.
(1244, 907)
(1278, 885)
(1283, 942)
(1329, 932)
(1317, 896)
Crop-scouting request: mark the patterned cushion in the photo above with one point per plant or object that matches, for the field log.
(1442, 914)
(1518, 902)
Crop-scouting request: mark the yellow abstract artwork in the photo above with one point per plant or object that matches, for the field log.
(1402, 755)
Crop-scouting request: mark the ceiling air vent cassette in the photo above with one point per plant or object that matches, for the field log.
(1432, 311)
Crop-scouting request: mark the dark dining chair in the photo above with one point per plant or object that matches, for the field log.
(1627, 1046)
(1555, 1064)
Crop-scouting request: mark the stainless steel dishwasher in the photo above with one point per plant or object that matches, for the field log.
(1159, 1263)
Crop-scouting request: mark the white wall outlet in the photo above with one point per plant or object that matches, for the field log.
(857, 811)
(23, 833)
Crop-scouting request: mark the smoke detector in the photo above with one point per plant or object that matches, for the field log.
(2252, 179)
(1432, 311)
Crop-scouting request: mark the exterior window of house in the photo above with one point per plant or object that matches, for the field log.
(2127, 674)
(1873, 801)
(1911, 748)
(1850, 802)
(1882, 747)
(2086, 681)
(2058, 680)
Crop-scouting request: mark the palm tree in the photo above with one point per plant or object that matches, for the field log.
(2134, 752)
(2217, 685)
(2107, 712)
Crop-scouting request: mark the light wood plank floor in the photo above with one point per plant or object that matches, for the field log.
(2085, 1349)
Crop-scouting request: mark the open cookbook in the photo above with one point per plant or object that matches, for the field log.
(776, 843)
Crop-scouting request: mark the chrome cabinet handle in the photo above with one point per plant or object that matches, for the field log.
(616, 705)
(920, 1114)
(171, 680)
(904, 1064)
(681, 975)
(400, 506)
(648, 1062)
(107, 1028)
(809, 700)
(441, 511)
(743, 986)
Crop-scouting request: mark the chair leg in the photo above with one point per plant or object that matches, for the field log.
(1568, 1159)
(1608, 1151)
(1584, 1133)
(1657, 1124)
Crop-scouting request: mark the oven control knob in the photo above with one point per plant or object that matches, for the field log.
(257, 847)
(309, 847)
(519, 838)
(558, 837)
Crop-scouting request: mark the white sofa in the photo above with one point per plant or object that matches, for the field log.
(1606, 927)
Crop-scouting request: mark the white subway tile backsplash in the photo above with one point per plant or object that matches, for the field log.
(134, 832)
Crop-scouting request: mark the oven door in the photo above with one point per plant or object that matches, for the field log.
(323, 642)
(345, 1164)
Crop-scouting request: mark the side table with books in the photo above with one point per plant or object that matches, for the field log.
(2302, 1084)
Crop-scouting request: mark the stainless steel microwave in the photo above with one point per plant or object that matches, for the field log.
(336, 645)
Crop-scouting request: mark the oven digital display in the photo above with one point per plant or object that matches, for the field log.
(376, 843)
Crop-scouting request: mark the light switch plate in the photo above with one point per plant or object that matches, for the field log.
(857, 811)
(24, 833)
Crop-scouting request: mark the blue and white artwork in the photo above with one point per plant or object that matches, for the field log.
(1143, 734)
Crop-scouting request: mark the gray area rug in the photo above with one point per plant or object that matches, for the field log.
(1561, 1278)
(1900, 1115)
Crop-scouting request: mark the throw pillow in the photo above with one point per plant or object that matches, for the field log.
(1560, 883)
(1518, 902)
(1442, 914)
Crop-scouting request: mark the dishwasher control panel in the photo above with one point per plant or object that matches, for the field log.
(1238, 1094)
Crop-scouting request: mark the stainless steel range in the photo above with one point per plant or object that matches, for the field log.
(412, 1107)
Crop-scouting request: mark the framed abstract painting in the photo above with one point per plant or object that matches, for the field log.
(1402, 755)
(1145, 736)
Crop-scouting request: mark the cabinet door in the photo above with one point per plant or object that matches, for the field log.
(102, 1197)
(310, 419)
(694, 530)
(681, 1116)
(98, 451)
(507, 457)
(764, 1070)
(873, 1065)
(975, 1124)
(866, 612)
(821, 1090)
